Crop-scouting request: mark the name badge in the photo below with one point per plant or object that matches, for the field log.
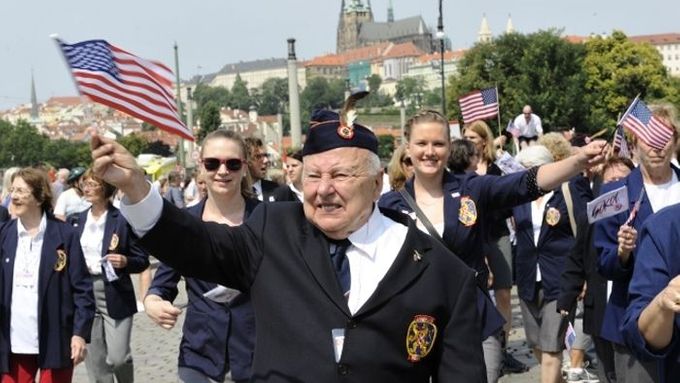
(25, 279)
(109, 270)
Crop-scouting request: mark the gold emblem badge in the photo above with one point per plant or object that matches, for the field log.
(420, 337)
(114, 242)
(467, 214)
(345, 132)
(552, 216)
(61, 260)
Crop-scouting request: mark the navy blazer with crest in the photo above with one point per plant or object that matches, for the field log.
(120, 294)
(283, 261)
(555, 242)
(213, 333)
(65, 300)
(606, 243)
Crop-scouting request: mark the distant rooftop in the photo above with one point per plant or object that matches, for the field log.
(383, 31)
(660, 39)
(252, 66)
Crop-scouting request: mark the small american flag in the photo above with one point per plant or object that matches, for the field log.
(512, 129)
(569, 337)
(479, 105)
(647, 127)
(620, 143)
(118, 79)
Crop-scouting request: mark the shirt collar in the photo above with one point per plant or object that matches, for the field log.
(97, 222)
(21, 230)
(366, 237)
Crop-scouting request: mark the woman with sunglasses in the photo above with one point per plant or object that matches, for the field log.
(46, 303)
(400, 168)
(458, 205)
(111, 255)
(217, 337)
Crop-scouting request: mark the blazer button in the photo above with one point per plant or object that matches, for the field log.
(343, 369)
(351, 324)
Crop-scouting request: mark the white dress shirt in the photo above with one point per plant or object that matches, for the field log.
(92, 240)
(661, 196)
(374, 245)
(528, 129)
(257, 188)
(298, 193)
(537, 214)
(23, 326)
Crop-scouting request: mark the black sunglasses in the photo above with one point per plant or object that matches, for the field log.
(407, 161)
(232, 164)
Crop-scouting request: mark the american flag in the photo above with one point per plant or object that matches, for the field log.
(647, 127)
(569, 336)
(118, 79)
(620, 143)
(512, 129)
(479, 105)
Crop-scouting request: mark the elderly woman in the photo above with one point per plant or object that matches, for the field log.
(111, 255)
(47, 303)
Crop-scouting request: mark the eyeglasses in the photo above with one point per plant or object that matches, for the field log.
(232, 164)
(260, 156)
(91, 185)
(20, 192)
(407, 161)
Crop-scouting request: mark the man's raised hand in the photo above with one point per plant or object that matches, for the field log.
(115, 165)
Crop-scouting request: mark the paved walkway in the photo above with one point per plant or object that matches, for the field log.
(155, 349)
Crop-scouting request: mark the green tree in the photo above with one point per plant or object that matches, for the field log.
(410, 90)
(21, 144)
(63, 153)
(385, 146)
(134, 143)
(618, 69)
(541, 69)
(210, 119)
(159, 147)
(240, 97)
(273, 95)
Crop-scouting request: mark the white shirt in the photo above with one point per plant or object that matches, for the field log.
(661, 196)
(257, 187)
(298, 193)
(191, 194)
(23, 327)
(374, 246)
(528, 129)
(92, 240)
(70, 202)
(537, 214)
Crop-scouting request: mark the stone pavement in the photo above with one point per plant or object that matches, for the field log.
(155, 350)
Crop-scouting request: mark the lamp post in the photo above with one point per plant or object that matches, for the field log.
(441, 36)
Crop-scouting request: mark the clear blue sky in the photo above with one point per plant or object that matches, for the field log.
(211, 33)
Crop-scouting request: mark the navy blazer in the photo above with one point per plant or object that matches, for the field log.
(213, 333)
(65, 300)
(656, 264)
(555, 242)
(120, 294)
(606, 243)
(487, 193)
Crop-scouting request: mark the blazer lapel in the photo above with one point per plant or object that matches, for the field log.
(551, 203)
(109, 227)
(452, 196)
(315, 252)
(52, 242)
(406, 267)
(9, 251)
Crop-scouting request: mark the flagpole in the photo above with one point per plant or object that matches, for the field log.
(628, 110)
(179, 106)
(498, 101)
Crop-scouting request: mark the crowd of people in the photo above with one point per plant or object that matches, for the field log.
(350, 268)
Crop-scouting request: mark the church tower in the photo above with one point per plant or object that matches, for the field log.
(34, 100)
(509, 28)
(485, 35)
(352, 15)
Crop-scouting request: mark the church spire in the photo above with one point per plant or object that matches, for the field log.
(484, 31)
(509, 28)
(390, 12)
(34, 99)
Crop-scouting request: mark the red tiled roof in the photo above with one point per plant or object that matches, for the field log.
(402, 50)
(660, 39)
(575, 39)
(65, 101)
(448, 55)
(327, 60)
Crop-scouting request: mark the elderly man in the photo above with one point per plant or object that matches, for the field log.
(529, 126)
(342, 290)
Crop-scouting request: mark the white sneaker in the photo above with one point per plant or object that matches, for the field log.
(580, 375)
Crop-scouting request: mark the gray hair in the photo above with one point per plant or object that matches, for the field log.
(534, 155)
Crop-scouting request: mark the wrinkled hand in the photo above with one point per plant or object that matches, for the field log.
(118, 261)
(114, 164)
(160, 311)
(669, 298)
(78, 349)
(627, 236)
(594, 153)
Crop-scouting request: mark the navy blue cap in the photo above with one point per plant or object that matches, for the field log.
(326, 133)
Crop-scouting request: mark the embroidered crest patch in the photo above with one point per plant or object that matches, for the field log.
(420, 337)
(345, 132)
(61, 260)
(552, 216)
(114, 242)
(467, 214)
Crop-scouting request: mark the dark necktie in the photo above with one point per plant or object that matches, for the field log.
(341, 264)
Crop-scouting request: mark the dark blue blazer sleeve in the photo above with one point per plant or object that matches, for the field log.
(165, 283)
(137, 257)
